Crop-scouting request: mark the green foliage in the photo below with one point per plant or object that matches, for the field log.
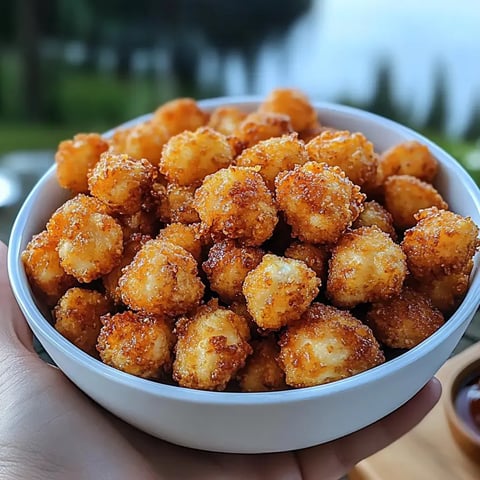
(472, 131)
(437, 116)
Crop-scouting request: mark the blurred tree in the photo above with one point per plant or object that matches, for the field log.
(472, 131)
(382, 101)
(437, 116)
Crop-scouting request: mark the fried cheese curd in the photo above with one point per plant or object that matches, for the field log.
(366, 266)
(177, 204)
(90, 242)
(137, 343)
(121, 182)
(186, 236)
(352, 152)
(258, 126)
(315, 256)
(77, 317)
(273, 156)
(162, 279)
(74, 158)
(235, 203)
(227, 266)
(441, 243)
(293, 103)
(279, 290)
(142, 221)
(210, 349)
(262, 371)
(180, 115)
(409, 158)
(42, 266)
(319, 201)
(325, 345)
(226, 119)
(405, 320)
(374, 214)
(188, 157)
(405, 195)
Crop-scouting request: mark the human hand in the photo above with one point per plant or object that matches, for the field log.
(50, 430)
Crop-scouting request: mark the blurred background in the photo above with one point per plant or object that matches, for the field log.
(87, 65)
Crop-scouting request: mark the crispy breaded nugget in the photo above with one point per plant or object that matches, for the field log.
(374, 214)
(74, 158)
(180, 204)
(259, 126)
(77, 317)
(405, 195)
(325, 345)
(162, 279)
(293, 103)
(121, 182)
(227, 266)
(188, 157)
(142, 221)
(404, 320)
(315, 256)
(42, 266)
(352, 152)
(262, 372)
(210, 348)
(142, 141)
(136, 343)
(179, 115)
(441, 243)
(186, 236)
(319, 202)
(279, 290)
(110, 281)
(409, 158)
(366, 266)
(226, 119)
(235, 203)
(273, 156)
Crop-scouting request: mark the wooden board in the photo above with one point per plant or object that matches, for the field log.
(428, 451)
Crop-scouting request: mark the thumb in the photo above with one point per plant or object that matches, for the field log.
(14, 331)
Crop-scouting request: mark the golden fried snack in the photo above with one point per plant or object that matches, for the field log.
(227, 266)
(319, 202)
(409, 158)
(74, 158)
(90, 242)
(77, 317)
(235, 203)
(142, 221)
(186, 236)
(42, 266)
(179, 207)
(405, 195)
(293, 103)
(110, 281)
(315, 256)
(179, 115)
(259, 126)
(352, 152)
(162, 279)
(121, 182)
(374, 214)
(279, 290)
(312, 132)
(404, 320)
(441, 243)
(136, 343)
(262, 372)
(226, 119)
(240, 308)
(190, 156)
(210, 348)
(273, 156)
(325, 345)
(366, 266)
(142, 141)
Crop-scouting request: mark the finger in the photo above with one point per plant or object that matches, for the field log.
(338, 457)
(14, 331)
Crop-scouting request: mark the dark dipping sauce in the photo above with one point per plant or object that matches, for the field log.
(467, 404)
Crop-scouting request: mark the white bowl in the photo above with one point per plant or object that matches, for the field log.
(255, 422)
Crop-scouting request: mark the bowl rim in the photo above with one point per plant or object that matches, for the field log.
(24, 295)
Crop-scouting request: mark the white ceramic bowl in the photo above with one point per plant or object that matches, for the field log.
(255, 422)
